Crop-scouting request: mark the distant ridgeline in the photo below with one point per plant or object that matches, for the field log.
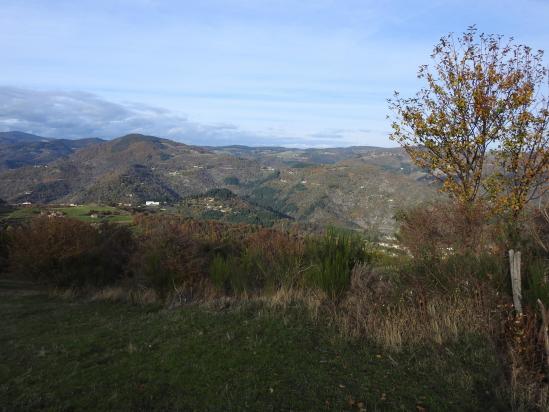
(354, 187)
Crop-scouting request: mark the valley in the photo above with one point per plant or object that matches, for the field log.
(355, 187)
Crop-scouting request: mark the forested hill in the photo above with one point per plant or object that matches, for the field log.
(351, 187)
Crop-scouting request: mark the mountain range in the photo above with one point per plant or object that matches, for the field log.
(354, 187)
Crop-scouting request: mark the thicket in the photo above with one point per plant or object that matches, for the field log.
(68, 253)
(174, 255)
(448, 244)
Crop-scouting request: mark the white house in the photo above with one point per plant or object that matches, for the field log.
(152, 203)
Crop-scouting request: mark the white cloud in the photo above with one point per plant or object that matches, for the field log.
(77, 114)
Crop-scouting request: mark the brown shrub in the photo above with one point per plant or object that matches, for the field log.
(280, 254)
(431, 230)
(47, 249)
(246, 257)
(68, 253)
(169, 261)
(204, 230)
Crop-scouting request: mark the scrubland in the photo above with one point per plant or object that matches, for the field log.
(178, 314)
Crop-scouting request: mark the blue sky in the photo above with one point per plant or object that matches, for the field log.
(280, 72)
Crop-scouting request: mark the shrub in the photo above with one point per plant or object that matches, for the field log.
(168, 260)
(69, 253)
(112, 253)
(221, 270)
(4, 239)
(446, 273)
(396, 317)
(264, 259)
(279, 256)
(47, 250)
(248, 271)
(434, 230)
(332, 258)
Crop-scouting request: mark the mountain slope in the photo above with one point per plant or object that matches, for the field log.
(18, 149)
(223, 204)
(14, 137)
(358, 187)
(132, 168)
(350, 193)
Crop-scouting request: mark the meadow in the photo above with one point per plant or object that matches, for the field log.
(83, 213)
(66, 354)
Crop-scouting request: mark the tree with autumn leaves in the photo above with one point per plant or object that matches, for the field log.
(480, 123)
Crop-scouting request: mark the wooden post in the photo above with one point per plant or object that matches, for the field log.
(514, 265)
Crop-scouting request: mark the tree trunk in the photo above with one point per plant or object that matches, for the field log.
(514, 264)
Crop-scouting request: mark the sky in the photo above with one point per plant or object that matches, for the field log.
(296, 73)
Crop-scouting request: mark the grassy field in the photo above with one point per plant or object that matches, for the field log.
(81, 212)
(79, 355)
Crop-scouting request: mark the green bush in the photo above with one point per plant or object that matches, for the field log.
(332, 258)
(244, 272)
(220, 272)
(264, 259)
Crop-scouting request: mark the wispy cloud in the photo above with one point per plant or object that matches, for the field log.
(78, 114)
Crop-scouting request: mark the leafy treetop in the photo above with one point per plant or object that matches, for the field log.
(480, 124)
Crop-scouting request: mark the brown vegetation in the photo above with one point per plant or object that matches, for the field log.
(445, 291)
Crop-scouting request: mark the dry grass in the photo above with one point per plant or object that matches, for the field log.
(313, 300)
(64, 293)
(142, 296)
(438, 321)
(525, 391)
(526, 360)
(365, 311)
(372, 309)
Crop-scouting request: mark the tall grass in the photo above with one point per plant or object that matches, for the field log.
(332, 258)
(445, 273)
(537, 281)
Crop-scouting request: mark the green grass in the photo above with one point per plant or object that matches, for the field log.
(22, 213)
(81, 212)
(68, 355)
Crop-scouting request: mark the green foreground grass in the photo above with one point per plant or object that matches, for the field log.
(76, 355)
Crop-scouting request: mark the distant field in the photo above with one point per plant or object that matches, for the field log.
(81, 212)
(72, 355)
